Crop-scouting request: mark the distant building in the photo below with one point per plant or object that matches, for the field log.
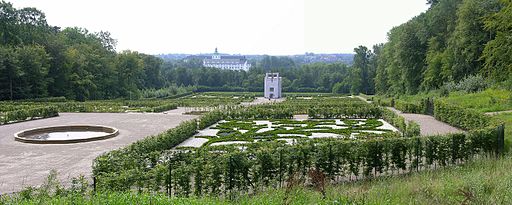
(272, 86)
(226, 62)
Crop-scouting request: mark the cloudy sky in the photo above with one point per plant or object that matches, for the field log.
(275, 27)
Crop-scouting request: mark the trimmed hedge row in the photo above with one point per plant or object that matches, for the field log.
(368, 111)
(165, 107)
(259, 112)
(467, 119)
(409, 129)
(178, 95)
(410, 107)
(210, 118)
(48, 99)
(135, 155)
(225, 170)
(28, 114)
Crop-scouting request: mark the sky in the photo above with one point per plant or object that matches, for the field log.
(273, 27)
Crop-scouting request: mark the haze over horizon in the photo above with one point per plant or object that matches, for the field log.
(284, 27)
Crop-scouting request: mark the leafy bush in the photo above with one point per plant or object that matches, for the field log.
(48, 99)
(470, 84)
(210, 118)
(460, 117)
(28, 114)
(410, 107)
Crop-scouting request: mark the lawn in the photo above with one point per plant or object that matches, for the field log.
(490, 100)
(486, 101)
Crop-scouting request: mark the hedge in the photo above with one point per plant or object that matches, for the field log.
(464, 118)
(225, 170)
(410, 107)
(136, 155)
(28, 114)
(409, 129)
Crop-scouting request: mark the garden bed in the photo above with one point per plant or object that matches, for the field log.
(286, 130)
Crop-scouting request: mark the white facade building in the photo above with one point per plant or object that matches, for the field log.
(272, 86)
(226, 62)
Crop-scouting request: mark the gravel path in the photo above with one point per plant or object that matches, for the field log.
(23, 164)
(262, 100)
(428, 124)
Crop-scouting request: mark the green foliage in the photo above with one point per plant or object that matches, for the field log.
(454, 41)
(268, 163)
(169, 92)
(20, 115)
(460, 117)
(470, 84)
(481, 181)
(497, 52)
(481, 100)
(210, 118)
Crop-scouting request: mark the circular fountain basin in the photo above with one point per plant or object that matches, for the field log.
(66, 134)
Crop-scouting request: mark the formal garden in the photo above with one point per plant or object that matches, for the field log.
(253, 149)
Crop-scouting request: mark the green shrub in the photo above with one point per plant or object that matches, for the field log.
(467, 119)
(470, 84)
(28, 114)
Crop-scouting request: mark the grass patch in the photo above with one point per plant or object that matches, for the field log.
(489, 100)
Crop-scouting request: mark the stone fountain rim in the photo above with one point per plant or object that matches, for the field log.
(111, 132)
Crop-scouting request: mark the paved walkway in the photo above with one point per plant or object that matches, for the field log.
(428, 124)
(23, 164)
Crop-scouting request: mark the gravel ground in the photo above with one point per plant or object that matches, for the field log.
(428, 124)
(23, 164)
(262, 100)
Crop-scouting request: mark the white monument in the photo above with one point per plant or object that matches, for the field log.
(272, 86)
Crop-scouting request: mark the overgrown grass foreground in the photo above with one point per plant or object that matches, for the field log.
(483, 181)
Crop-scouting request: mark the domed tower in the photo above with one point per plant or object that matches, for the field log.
(216, 55)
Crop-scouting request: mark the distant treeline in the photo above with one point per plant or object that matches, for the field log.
(38, 60)
(318, 77)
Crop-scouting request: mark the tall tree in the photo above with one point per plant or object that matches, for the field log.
(361, 65)
(10, 73)
(497, 52)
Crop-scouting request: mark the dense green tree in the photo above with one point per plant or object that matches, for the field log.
(152, 71)
(10, 73)
(361, 63)
(34, 64)
(130, 70)
(469, 38)
(497, 52)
